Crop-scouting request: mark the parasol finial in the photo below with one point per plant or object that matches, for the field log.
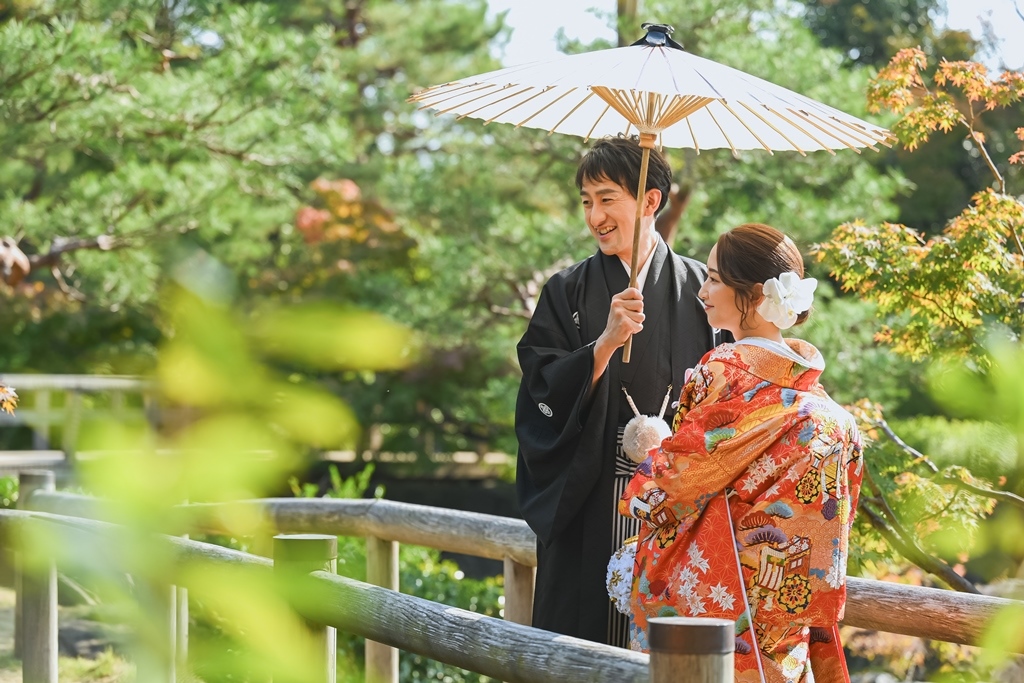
(658, 36)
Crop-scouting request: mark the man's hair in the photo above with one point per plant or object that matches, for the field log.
(618, 160)
(750, 254)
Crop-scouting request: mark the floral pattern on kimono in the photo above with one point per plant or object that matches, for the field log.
(747, 510)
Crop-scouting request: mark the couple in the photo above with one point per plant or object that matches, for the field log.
(744, 512)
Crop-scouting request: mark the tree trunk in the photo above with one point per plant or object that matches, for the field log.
(626, 24)
(667, 224)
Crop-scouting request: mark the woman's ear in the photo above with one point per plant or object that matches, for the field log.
(757, 295)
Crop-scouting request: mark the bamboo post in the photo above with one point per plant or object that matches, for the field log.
(691, 649)
(29, 482)
(300, 554)
(381, 570)
(519, 583)
(647, 141)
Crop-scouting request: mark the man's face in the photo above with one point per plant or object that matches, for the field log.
(610, 212)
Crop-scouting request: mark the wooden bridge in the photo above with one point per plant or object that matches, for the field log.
(507, 650)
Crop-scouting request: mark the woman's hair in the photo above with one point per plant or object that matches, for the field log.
(750, 254)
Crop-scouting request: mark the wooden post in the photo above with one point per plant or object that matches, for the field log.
(181, 634)
(72, 424)
(301, 554)
(381, 570)
(36, 598)
(519, 582)
(29, 482)
(41, 433)
(180, 651)
(691, 649)
(39, 623)
(117, 405)
(155, 652)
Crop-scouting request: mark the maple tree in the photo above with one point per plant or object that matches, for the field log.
(8, 399)
(945, 297)
(942, 293)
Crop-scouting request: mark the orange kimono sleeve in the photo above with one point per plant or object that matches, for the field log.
(685, 472)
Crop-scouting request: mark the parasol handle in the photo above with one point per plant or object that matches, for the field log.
(647, 143)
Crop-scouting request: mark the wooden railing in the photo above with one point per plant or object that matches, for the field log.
(909, 610)
(500, 649)
(54, 407)
(44, 415)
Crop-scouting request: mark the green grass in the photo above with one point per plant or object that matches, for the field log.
(107, 668)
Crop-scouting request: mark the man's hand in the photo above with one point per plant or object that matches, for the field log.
(625, 318)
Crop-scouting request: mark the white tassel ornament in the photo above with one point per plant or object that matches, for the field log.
(644, 432)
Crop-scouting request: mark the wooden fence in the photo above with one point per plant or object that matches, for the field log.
(910, 610)
(500, 649)
(54, 407)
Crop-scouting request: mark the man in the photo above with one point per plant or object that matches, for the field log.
(571, 406)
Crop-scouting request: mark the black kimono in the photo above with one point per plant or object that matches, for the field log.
(569, 444)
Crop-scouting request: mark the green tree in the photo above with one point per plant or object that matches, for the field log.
(133, 137)
(942, 178)
(872, 31)
(276, 138)
(133, 134)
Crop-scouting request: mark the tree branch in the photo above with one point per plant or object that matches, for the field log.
(944, 509)
(504, 310)
(915, 554)
(966, 329)
(992, 167)
(63, 246)
(1001, 496)
(984, 151)
(245, 156)
(894, 437)
(70, 291)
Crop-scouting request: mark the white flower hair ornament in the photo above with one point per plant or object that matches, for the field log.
(785, 298)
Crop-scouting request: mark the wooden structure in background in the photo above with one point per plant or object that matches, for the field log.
(393, 620)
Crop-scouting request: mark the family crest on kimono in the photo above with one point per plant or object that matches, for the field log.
(747, 507)
(571, 409)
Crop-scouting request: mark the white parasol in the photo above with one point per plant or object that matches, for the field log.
(660, 92)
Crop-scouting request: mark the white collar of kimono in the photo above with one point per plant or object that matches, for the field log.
(816, 362)
(641, 277)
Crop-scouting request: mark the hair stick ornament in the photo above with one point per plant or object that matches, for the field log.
(644, 432)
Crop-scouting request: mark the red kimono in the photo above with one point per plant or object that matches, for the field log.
(748, 508)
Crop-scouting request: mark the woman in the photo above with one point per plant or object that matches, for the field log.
(748, 504)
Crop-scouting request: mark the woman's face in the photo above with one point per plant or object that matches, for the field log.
(719, 299)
